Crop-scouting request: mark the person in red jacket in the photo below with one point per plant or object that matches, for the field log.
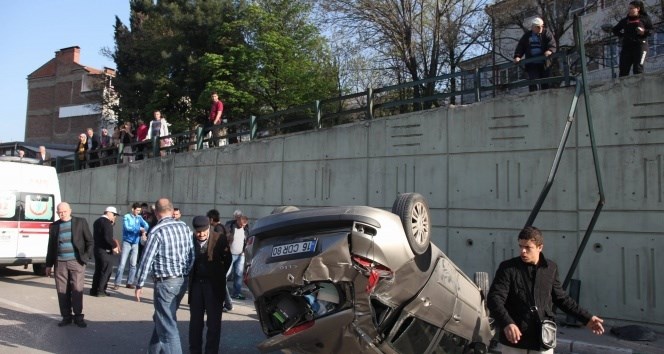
(141, 134)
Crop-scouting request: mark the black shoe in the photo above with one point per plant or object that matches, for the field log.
(65, 322)
(106, 293)
(81, 323)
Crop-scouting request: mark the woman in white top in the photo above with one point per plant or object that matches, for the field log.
(159, 127)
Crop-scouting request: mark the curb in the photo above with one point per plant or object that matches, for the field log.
(566, 346)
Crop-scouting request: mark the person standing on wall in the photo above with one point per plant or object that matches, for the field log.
(538, 42)
(216, 110)
(634, 31)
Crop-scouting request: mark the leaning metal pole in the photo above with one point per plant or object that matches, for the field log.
(556, 160)
(578, 31)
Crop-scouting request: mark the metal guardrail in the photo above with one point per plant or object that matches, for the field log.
(367, 105)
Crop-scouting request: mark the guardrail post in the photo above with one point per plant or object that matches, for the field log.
(77, 162)
(199, 138)
(59, 163)
(370, 102)
(253, 127)
(613, 68)
(566, 70)
(319, 114)
(155, 146)
(118, 160)
(477, 83)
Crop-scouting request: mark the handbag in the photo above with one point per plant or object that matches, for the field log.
(548, 328)
(548, 336)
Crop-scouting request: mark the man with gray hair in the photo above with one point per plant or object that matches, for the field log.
(238, 231)
(69, 248)
(538, 42)
(169, 256)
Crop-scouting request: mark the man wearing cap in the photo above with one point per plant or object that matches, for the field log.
(168, 256)
(207, 286)
(538, 42)
(105, 247)
(69, 247)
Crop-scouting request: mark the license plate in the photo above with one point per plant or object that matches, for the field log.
(294, 248)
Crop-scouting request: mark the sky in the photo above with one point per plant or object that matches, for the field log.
(31, 31)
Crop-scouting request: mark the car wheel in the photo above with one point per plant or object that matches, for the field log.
(284, 209)
(38, 269)
(413, 211)
(482, 282)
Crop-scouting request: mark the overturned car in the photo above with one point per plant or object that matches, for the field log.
(358, 279)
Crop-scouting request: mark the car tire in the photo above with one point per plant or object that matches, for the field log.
(413, 211)
(482, 282)
(284, 209)
(38, 269)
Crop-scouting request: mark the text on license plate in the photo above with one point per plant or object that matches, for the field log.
(294, 248)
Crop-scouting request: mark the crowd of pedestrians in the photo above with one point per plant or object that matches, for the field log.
(177, 258)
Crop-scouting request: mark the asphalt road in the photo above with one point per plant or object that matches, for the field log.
(117, 324)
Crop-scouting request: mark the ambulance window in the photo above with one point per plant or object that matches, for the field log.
(38, 207)
(7, 206)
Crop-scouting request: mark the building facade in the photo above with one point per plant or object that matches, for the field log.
(66, 97)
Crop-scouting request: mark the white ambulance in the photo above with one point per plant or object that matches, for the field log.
(29, 195)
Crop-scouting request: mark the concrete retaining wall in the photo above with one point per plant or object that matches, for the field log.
(480, 166)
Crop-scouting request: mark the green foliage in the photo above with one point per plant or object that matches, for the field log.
(259, 56)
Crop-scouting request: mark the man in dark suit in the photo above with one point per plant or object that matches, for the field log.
(207, 285)
(43, 156)
(105, 247)
(93, 146)
(69, 247)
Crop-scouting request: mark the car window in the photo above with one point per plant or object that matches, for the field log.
(38, 207)
(450, 344)
(414, 336)
(7, 205)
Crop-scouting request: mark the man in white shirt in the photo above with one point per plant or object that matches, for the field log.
(238, 231)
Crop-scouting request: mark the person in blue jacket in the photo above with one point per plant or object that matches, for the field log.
(133, 229)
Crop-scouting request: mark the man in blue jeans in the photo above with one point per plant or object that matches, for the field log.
(134, 228)
(238, 230)
(169, 256)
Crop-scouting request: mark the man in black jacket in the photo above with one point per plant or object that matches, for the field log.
(207, 286)
(537, 42)
(69, 247)
(523, 293)
(105, 247)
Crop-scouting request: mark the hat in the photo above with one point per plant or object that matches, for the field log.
(537, 22)
(200, 223)
(112, 210)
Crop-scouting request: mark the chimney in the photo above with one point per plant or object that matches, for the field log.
(68, 55)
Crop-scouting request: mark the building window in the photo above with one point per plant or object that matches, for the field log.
(611, 52)
(656, 44)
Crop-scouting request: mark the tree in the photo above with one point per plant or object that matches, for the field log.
(417, 39)
(256, 55)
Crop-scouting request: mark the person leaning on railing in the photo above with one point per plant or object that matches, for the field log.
(634, 31)
(538, 42)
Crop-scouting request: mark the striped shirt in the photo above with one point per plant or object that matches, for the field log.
(169, 251)
(65, 247)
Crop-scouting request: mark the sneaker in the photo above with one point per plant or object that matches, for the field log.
(238, 297)
(227, 309)
(129, 286)
(65, 322)
(116, 287)
(81, 323)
